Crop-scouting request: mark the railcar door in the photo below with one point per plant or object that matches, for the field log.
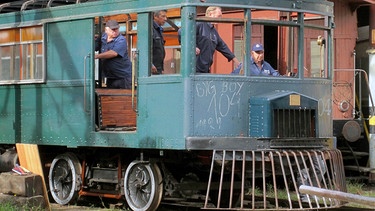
(66, 97)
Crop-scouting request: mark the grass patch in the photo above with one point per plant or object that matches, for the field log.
(7, 206)
(361, 189)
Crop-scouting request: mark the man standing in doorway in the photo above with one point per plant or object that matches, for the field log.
(158, 51)
(116, 65)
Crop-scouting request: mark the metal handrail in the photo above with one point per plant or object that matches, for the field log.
(372, 111)
(84, 81)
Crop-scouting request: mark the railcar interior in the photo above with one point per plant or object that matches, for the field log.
(218, 140)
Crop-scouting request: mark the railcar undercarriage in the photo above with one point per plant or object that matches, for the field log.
(218, 179)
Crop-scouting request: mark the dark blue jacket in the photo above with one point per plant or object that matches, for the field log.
(158, 51)
(209, 40)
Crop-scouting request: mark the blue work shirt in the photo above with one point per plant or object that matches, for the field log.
(119, 66)
(266, 70)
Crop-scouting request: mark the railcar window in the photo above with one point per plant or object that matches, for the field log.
(286, 35)
(21, 53)
(293, 42)
(172, 46)
(316, 64)
(129, 29)
(229, 25)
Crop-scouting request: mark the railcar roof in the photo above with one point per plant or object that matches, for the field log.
(19, 5)
(13, 6)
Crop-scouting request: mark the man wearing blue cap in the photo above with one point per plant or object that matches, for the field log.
(258, 66)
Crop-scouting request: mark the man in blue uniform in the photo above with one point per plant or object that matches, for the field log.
(158, 51)
(258, 66)
(208, 40)
(116, 65)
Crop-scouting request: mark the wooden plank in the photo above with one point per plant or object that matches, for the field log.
(113, 91)
(115, 108)
(28, 155)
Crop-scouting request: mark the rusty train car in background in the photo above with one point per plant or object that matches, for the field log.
(215, 141)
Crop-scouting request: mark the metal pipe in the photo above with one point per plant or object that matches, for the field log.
(2, 6)
(372, 149)
(341, 196)
(26, 3)
(372, 115)
(104, 195)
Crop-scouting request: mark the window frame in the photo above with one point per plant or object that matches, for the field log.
(26, 55)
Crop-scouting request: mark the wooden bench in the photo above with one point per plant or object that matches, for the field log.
(115, 108)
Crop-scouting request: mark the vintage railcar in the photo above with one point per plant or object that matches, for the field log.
(218, 141)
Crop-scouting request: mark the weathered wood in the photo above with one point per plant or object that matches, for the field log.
(21, 185)
(28, 155)
(116, 108)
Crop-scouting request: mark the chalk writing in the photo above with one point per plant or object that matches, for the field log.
(324, 107)
(223, 101)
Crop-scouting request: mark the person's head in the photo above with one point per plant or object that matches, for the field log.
(257, 52)
(160, 17)
(213, 12)
(112, 28)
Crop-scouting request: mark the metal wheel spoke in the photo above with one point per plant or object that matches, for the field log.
(143, 186)
(63, 177)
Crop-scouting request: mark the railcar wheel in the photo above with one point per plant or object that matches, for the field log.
(143, 186)
(65, 178)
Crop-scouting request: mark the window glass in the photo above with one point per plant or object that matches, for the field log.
(21, 55)
(172, 60)
(31, 34)
(316, 62)
(9, 36)
(5, 63)
(170, 22)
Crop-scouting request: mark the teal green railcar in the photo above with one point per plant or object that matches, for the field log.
(217, 141)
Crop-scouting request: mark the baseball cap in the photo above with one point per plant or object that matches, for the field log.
(112, 24)
(257, 47)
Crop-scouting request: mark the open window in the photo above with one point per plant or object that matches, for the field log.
(172, 46)
(288, 34)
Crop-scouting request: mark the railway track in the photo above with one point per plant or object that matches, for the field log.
(56, 207)
(104, 205)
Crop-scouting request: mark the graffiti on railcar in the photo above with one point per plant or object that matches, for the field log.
(223, 101)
